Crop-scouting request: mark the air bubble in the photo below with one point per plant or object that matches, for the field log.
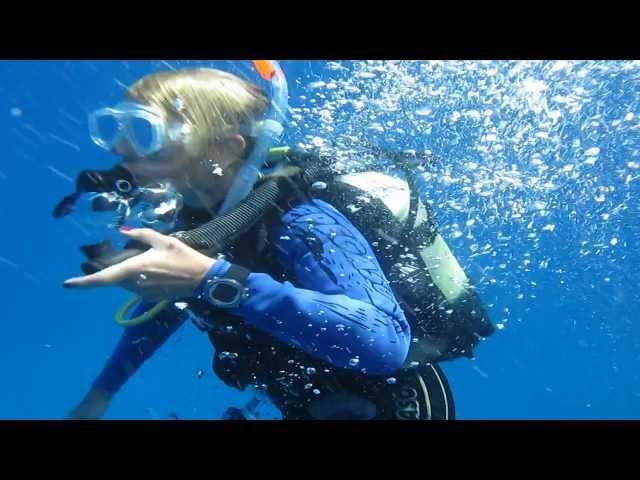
(592, 152)
(366, 75)
(178, 104)
(217, 170)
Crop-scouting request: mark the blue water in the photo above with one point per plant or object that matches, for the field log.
(536, 193)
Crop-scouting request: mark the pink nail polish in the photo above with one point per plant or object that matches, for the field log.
(125, 229)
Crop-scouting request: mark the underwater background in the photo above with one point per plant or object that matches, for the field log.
(536, 192)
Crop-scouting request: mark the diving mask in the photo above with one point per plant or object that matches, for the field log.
(145, 128)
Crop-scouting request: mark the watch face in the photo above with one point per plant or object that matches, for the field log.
(225, 292)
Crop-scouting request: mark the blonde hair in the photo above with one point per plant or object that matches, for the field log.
(212, 102)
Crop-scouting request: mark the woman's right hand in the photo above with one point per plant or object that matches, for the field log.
(92, 407)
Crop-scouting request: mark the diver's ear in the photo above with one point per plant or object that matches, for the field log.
(237, 144)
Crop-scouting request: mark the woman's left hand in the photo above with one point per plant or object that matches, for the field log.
(167, 271)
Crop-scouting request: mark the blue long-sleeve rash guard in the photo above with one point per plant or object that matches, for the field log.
(337, 305)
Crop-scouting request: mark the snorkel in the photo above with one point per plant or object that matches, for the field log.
(271, 130)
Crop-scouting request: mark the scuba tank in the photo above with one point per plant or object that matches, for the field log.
(446, 314)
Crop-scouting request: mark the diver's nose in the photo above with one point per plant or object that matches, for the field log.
(123, 148)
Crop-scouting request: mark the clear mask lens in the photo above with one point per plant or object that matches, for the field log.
(108, 129)
(142, 127)
(142, 134)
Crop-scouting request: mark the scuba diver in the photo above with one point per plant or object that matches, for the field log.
(331, 295)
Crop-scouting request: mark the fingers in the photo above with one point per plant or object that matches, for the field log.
(121, 273)
(108, 276)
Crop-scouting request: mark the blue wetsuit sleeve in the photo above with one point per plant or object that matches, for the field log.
(136, 345)
(341, 308)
